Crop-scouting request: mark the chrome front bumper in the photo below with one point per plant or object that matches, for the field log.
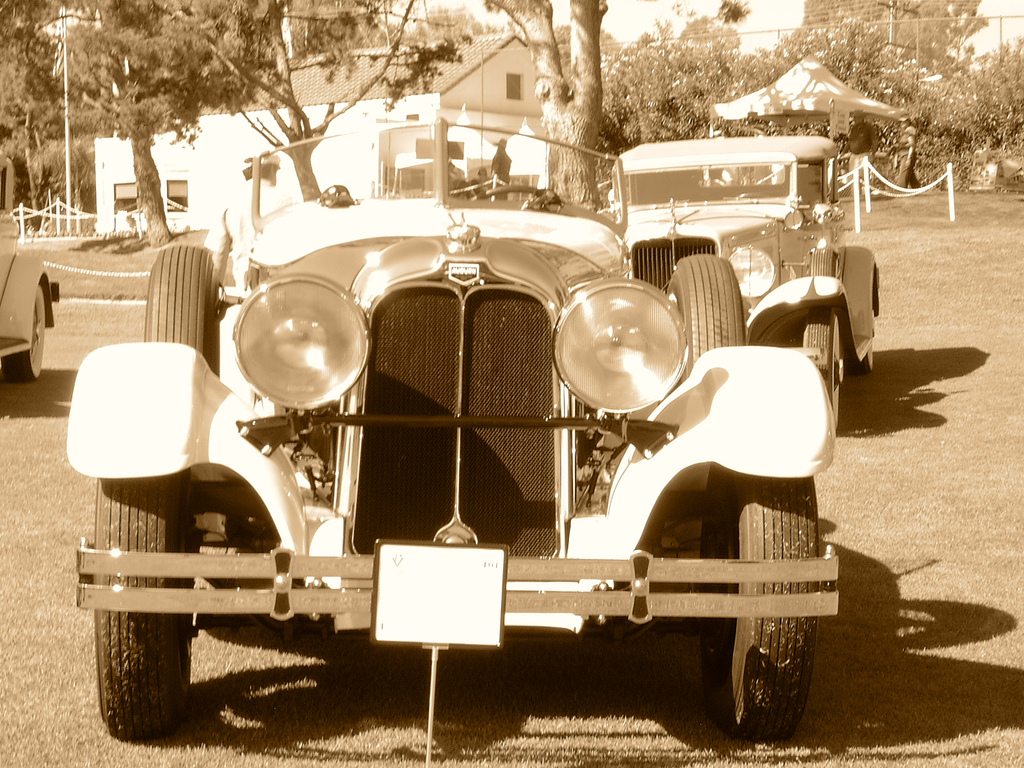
(793, 588)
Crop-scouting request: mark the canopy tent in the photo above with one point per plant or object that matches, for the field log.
(807, 92)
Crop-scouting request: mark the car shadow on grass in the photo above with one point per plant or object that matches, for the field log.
(879, 688)
(49, 396)
(896, 395)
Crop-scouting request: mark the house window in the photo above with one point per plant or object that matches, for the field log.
(177, 194)
(126, 197)
(513, 87)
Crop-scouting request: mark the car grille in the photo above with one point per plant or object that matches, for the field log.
(654, 261)
(436, 352)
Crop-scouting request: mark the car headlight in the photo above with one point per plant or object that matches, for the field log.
(620, 345)
(754, 269)
(301, 342)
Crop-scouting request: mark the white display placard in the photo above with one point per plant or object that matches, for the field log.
(439, 594)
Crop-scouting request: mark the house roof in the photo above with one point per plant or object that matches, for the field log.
(316, 84)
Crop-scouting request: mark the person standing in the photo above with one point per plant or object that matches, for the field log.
(906, 154)
(863, 140)
(231, 236)
(501, 163)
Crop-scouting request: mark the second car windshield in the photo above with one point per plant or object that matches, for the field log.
(708, 183)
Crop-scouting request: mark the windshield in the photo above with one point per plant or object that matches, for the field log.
(459, 165)
(709, 183)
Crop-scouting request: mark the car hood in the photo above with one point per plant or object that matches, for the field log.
(306, 227)
(578, 248)
(712, 221)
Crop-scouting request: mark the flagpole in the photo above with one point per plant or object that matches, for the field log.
(67, 116)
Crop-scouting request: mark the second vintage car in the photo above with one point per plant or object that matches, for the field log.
(422, 351)
(26, 294)
(768, 206)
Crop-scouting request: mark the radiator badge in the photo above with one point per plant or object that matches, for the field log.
(463, 273)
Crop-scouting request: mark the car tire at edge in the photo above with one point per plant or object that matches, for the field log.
(756, 673)
(143, 660)
(26, 366)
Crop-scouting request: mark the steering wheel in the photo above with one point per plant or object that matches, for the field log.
(336, 196)
(539, 200)
(543, 200)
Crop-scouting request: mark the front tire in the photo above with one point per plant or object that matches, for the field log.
(822, 334)
(143, 661)
(24, 367)
(182, 302)
(708, 294)
(757, 672)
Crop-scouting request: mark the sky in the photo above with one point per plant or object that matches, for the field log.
(628, 19)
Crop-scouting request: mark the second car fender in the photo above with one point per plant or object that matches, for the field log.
(18, 298)
(796, 297)
(154, 408)
(753, 410)
(859, 280)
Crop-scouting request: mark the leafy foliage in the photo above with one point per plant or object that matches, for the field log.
(31, 115)
(661, 88)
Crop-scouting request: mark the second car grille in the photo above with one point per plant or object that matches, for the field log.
(654, 261)
(407, 479)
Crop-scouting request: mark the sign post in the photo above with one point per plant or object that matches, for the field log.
(438, 596)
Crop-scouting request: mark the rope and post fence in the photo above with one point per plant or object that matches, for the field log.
(860, 180)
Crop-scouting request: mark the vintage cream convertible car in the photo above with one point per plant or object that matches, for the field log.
(767, 206)
(433, 353)
(26, 294)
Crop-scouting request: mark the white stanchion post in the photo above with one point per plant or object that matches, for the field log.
(867, 183)
(56, 216)
(21, 222)
(949, 183)
(856, 201)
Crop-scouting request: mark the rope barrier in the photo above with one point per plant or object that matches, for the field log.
(93, 272)
(853, 178)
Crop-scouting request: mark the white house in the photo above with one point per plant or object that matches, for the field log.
(492, 84)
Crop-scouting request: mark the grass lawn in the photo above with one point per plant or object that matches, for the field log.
(102, 268)
(924, 666)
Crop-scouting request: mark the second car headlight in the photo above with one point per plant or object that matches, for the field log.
(620, 345)
(754, 269)
(301, 342)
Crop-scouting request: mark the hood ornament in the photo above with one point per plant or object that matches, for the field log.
(462, 237)
(676, 218)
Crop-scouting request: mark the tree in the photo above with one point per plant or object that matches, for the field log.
(662, 88)
(934, 33)
(260, 44)
(31, 129)
(146, 76)
(569, 80)
(568, 86)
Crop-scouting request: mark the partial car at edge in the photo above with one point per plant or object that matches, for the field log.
(26, 294)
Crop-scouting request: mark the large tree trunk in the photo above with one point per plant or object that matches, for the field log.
(569, 91)
(151, 202)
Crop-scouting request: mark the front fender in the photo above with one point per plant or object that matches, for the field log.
(154, 408)
(754, 410)
(860, 279)
(795, 298)
(18, 298)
